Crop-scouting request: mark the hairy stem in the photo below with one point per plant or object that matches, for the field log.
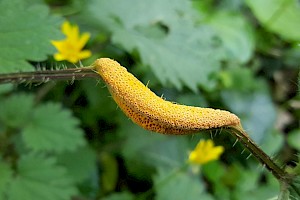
(48, 75)
(257, 152)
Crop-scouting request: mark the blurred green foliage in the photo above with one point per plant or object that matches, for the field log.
(25, 33)
(64, 141)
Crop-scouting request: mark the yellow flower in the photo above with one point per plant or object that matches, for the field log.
(205, 152)
(70, 48)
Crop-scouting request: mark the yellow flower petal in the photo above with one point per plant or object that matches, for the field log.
(73, 59)
(83, 39)
(70, 48)
(85, 54)
(59, 57)
(205, 152)
(66, 28)
(73, 36)
(59, 45)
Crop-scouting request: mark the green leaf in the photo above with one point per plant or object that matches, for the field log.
(267, 192)
(87, 159)
(15, 111)
(6, 175)
(239, 78)
(52, 129)
(246, 184)
(279, 16)
(186, 55)
(236, 35)
(153, 149)
(213, 171)
(248, 180)
(6, 88)
(273, 142)
(293, 139)
(256, 190)
(178, 185)
(190, 64)
(192, 100)
(97, 96)
(115, 11)
(38, 177)
(25, 34)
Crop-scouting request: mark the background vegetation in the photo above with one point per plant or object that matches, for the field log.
(63, 140)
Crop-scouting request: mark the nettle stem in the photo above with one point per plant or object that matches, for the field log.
(286, 180)
(48, 75)
(258, 153)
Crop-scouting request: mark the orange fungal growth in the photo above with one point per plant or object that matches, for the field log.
(153, 113)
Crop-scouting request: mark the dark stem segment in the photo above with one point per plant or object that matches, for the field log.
(49, 75)
(263, 158)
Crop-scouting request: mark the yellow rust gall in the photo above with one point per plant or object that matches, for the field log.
(153, 113)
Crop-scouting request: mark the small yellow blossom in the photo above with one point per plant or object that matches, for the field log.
(70, 48)
(205, 152)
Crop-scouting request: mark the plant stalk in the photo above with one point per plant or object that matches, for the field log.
(49, 75)
(258, 153)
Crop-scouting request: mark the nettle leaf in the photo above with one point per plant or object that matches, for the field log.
(273, 142)
(180, 185)
(181, 53)
(25, 34)
(6, 174)
(16, 110)
(115, 11)
(236, 35)
(6, 88)
(38, 177)
(52, 129)
(153, 150)
(190, 64)
(280, 16)
(87, 159)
